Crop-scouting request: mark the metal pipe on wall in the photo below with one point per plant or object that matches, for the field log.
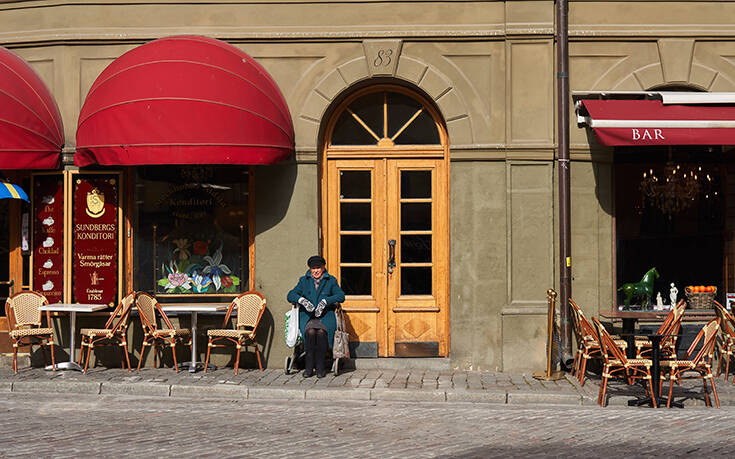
(565, 239)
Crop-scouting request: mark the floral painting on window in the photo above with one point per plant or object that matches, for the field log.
(195, 267)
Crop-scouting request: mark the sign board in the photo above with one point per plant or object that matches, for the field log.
(95, 238)
(730, 300)
(48, 236)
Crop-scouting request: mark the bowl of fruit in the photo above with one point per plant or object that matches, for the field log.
(700, 296)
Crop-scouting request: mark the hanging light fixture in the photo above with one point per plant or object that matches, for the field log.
(676, 188)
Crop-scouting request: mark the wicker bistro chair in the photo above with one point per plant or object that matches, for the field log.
(615, 363)
(250, 308)
(727, 338)
(22, 311)
(701, 363)
(148, 309)
(670, 327)
(588, 342)
(114, 332)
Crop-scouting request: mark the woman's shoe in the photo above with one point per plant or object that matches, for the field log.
(321, 374)
(308, 373)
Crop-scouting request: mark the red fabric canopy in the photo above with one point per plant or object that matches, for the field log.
(184, 100)
(651, 122)
(31, 132)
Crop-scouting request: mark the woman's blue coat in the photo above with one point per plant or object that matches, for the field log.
(329, 290)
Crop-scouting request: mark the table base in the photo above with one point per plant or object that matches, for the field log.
(196, 367)
(65, 366)
(660, 402)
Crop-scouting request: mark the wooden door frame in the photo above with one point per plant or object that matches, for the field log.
(328, 152)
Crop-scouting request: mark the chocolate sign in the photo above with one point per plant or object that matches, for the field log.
(95, 239)
(48, 236)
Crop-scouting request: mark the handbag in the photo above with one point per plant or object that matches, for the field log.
(341, 346)
(292, 331)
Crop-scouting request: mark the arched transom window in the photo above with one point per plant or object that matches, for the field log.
(384, 119)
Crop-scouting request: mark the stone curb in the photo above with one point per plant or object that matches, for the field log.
(337, 394)
(543, 398)
(161, 390)
(500, 397)
(269, 393)
(408, 395)
(218, 391)
(74, 387)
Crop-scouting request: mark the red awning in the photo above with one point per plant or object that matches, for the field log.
(670, 119)
(184, 100)
(31, 132)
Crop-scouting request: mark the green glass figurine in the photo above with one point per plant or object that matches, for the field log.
(644, 289)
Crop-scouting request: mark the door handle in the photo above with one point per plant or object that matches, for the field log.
(391, 255)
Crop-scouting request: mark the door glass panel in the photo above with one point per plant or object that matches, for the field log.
(416, 281)
(415, 216)
(356, 248)
(356, 280)
(416, 248)
(415, 184)
(354, 184)
(355, 216)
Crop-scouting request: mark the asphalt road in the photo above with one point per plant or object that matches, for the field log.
(61, 425)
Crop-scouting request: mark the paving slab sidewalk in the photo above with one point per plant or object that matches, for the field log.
(375, 384)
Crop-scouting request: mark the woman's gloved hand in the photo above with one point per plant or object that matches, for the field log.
(320, 308)
(306, 304)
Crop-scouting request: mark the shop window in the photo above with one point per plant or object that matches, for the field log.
(675, 210)
(192, 231)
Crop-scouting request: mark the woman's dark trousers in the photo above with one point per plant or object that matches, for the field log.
(315, 346)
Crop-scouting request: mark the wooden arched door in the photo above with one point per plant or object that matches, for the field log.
(386, 221)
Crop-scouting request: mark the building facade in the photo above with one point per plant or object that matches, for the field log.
(424, 166)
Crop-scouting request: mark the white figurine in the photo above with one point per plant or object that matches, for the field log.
(672, 294)
(659, 302)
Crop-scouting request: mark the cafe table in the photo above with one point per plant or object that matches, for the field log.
(72, 309)
(194, 309)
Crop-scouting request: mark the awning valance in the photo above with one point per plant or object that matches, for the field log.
(662, 118)
(184, 100)
(31, 132)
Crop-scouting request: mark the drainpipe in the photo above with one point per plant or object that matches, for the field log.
(565, 238)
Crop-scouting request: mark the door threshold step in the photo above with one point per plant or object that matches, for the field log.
(399, 363)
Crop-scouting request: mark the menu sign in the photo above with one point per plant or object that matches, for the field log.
(94, 232)
(48, 236)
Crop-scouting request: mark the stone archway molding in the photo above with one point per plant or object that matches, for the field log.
(683, 62)
(383, 58)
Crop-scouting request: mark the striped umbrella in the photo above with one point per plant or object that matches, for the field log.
(11, 191)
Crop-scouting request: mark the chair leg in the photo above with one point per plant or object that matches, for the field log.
(142, 352)
(238, 349)
(650, 389)
(209, 349)
(81, 352)
(714, 391)
(603, 391)
(15, 357)
(575, 364)
(124, 349)
(173, 351)
(671, 389)
(53, 359)
(583, 369)
(727, 365)
(89, 354)
(707, 400)
(257, 354)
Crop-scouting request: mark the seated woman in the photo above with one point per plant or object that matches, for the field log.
(317, 293)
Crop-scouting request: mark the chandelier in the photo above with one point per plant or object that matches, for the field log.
(676, 188)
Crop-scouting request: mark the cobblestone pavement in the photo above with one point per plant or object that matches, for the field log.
(79, 425)
(383, 385)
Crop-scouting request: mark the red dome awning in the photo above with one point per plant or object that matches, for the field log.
(31, 131)
(184, 100)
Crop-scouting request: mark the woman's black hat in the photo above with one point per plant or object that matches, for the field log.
(316, 261)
